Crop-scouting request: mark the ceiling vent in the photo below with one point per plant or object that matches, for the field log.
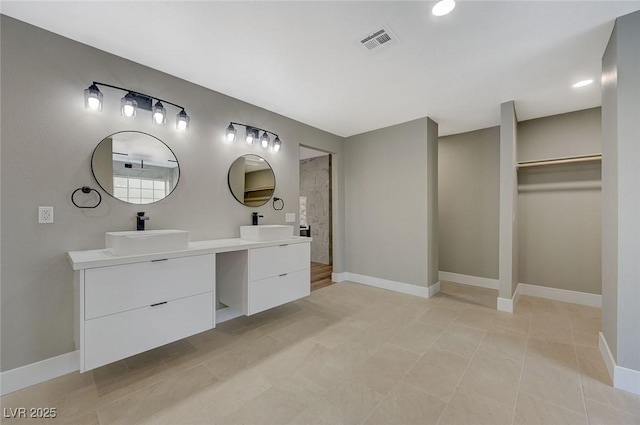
(378, 39)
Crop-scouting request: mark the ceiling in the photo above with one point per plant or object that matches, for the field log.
(304, 59)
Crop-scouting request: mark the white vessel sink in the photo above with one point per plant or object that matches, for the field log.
(266, 232)
(146, 241)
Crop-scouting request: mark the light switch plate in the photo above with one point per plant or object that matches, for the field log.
(290, 217)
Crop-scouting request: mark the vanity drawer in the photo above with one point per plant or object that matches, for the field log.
(275, 260)
(268, 293)
(114, 289)
(121, 335)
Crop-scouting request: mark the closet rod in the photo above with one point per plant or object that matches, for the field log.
(564, 160)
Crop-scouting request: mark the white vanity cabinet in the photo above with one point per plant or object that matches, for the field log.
(127, 309)
(262, 278)
(132, 303)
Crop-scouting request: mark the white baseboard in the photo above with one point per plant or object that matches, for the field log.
(505, 304)
(35, 373)
(405, 288)
(606, 354)
(623, 378)
(508, 305)
(227, 313)
(483, 282)
(565, 295)
(433, 289)
(339, 277)
(626, 379)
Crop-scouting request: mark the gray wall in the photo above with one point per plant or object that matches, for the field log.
(433, 263)
(469, 198)
(610, 193)
(386, 188)
(47, 141)
(559, 234)
(559, 222)
(571, 134)
(315, 185)
(508, 224)
(621, 193)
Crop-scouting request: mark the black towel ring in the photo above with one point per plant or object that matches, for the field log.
(86, 189)
(274, 204)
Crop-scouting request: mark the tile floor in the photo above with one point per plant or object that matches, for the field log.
(352, 354)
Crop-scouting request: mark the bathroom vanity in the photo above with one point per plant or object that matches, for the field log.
(127, 304)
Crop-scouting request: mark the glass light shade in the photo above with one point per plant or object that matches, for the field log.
(250, 136)
(443, 7)
(159, 113)
(276, 144)
(182, 121)
(93, 98)
(128, 106)
(231, 133)
(264, 140)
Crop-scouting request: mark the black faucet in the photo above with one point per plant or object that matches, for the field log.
(141, 218)
(254, 218)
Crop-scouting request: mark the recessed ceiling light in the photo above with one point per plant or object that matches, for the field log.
(443, 7)
(582, 83)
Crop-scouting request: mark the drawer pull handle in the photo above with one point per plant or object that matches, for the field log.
(162, 259)
(283, 274)
(157, 304)
(284, 244)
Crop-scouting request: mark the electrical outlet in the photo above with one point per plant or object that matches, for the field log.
(290, 217)
(45, 214)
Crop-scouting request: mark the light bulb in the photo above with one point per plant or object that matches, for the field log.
(231, 133)
(250, 136)
(182, 121)
(264, 140)
(582, 83)
(276, 144)
(93, 103)
(128, 110)
(93, 98)
(159, 113)
(128, 106)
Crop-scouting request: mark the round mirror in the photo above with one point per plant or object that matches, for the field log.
(135, 167)
(251, 180)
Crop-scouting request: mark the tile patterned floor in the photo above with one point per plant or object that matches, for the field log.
(352, 354)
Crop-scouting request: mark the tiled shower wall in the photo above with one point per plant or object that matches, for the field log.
(315, 185)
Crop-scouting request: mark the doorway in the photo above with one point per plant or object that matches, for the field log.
(315, 213)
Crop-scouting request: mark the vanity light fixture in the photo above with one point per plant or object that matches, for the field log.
(443, 7)
(252, 134)
(132, 101)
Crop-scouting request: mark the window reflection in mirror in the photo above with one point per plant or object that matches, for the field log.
(135, 167)
(251, 180)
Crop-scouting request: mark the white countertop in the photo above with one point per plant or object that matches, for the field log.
(102, 257)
